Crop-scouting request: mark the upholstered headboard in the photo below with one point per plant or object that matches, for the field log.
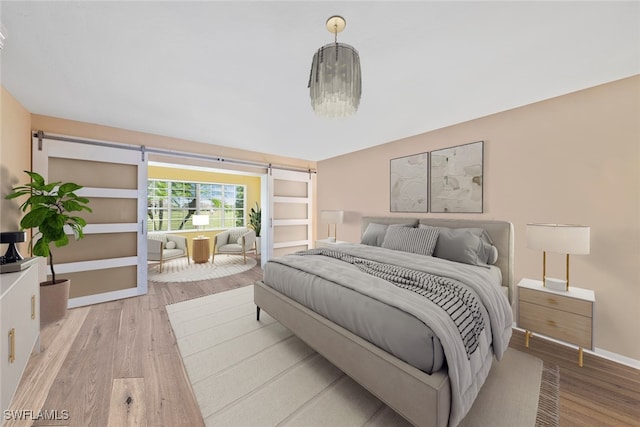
(501, 233)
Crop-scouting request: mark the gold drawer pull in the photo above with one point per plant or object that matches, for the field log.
(33, 307)
(12, 345)
(551, 323)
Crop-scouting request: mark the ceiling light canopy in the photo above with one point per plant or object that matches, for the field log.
(335, 83)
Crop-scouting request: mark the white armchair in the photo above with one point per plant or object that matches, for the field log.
(163, 247)
(234, 241)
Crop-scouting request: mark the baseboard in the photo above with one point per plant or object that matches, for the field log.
(615, 357)
(106, 297)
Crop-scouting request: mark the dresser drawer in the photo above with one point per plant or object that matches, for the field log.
(557, 302)
(562, 325)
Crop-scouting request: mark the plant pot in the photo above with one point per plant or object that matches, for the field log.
(258, 245)
(54, 298)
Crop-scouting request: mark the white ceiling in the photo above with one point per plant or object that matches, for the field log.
(235, 73)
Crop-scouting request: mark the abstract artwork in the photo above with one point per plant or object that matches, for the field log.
(409, 186)
(456, 178)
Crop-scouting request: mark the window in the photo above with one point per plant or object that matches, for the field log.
(171, 204)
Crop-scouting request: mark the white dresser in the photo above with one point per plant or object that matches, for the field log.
(19, 327)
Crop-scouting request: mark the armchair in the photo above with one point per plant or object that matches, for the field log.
(163, 247)
(234, 241)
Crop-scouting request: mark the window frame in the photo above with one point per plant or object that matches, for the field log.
(167, 206)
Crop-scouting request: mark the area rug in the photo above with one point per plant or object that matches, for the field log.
(249, 373)
(178, 270)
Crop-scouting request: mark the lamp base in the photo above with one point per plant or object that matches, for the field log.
(555, 284)
(12, 254)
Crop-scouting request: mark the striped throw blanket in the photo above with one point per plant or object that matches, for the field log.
(456, 300)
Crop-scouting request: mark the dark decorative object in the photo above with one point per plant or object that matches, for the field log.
(12, 237)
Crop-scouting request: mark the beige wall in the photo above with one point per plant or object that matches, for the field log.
(571, 159)
(15, 157)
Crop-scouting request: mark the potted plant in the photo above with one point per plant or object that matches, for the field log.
(255, 222)
(50, 207)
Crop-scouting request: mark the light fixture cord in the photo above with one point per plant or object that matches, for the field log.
(335, 35)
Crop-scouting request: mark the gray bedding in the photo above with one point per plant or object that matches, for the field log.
(397, 321)
(389, 328)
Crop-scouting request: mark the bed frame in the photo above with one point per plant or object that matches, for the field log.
(423, 399)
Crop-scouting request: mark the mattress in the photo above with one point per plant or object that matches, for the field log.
(388, 327)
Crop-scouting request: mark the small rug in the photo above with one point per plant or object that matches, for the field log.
(178, 270)
(249, 373)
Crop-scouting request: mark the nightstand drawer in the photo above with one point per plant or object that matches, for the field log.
(556, 302)
(555, 323)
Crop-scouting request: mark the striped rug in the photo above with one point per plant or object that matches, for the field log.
(179, 270)
(249, 373)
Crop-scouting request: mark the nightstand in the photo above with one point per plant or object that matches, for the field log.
(326, 243)
(563, 315)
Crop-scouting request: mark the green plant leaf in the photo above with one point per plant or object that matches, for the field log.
(63, 241)
(68, 187)
(41, 248)
(36, 177)
(50, 187)
(78, 220)
(41, 200)
(16, 193)
(35, 218)
(77, 231)
(71, 205)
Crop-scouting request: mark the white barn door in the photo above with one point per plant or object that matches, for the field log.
(111, 261)
(290, 211)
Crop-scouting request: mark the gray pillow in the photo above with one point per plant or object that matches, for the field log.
(374, 234)
(466, 245)
(491, 252)
(408, 239)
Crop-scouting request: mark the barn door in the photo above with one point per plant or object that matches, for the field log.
(111, 261)
(291, 211)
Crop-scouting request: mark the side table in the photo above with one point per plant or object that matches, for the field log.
(326, 243)
(563, 315)
(201, 251)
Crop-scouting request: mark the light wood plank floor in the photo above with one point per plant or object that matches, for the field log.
(118, 364)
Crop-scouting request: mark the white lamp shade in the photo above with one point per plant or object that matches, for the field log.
(198, 220)
(560, 238)
(331, 217)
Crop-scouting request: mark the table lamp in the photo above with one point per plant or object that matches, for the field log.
(12, 237)
(560, 238)
(199, 220)
(332, 218)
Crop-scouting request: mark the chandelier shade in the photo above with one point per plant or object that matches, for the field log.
(335, 82)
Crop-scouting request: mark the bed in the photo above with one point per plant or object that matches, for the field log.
(432, 392)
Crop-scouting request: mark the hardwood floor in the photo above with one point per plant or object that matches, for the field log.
(117, 364)
(602, 393)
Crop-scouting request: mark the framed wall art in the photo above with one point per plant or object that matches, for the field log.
(409, 190)
(456, 176)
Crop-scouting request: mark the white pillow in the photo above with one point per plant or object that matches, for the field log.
(170, 244)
